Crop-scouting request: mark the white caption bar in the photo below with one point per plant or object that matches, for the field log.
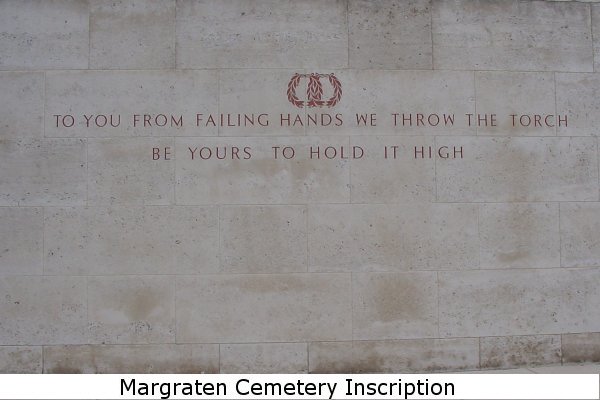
(280, 386)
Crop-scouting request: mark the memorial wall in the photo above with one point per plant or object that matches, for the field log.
(298, 186)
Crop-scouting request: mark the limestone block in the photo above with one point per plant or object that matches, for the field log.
(397, 356)
(516, 351)
(137, 34)
(43, 172)
(131, 309)
(42, 310)
(577, 97)
(518, 302)
(263, 239)
(581, 347)
(520, 169)
(22, 238)
(511, 95)
(263, 308)
(595, 27)
(140, 103)
(132, 359)
(260, 178)
(392, 237)
(399, 177)
(266, 34)
(20, 359)
(394, 305)
(22, 99)
(390, 34)
(264, 358)
(519, 235)
(124, 171)
(44, 34)
(131, 240)
(512, 35)
(579, 227)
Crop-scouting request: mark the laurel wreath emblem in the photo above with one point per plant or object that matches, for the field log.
(314, 91)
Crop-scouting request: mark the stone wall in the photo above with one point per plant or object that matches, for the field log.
(113, 261)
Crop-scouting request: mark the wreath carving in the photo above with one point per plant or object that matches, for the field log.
(314, 91)
(291, 91)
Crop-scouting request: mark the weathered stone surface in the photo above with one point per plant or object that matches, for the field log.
(518, 302)
(519, 235)
(132, 359)
(165, 96)
(513, 93)
(261, 179)
(579, 227)
(263, 239)
(577, 97)
(390, 34)
(123, 171)
(520, 169)
(373, 237)
(237, 256)
(377, 179)
(263, 308)
(512, 35)
(42, 310)
(265, 34)
(44, 34)
(131, 240)
(264, 358)
(137, 34)
(581, 347)
(515, 351)
(398, 356)
(131, 310)
(394, 305)
(43, 172)
(21, 235)
(22, 99)
(20, 360)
